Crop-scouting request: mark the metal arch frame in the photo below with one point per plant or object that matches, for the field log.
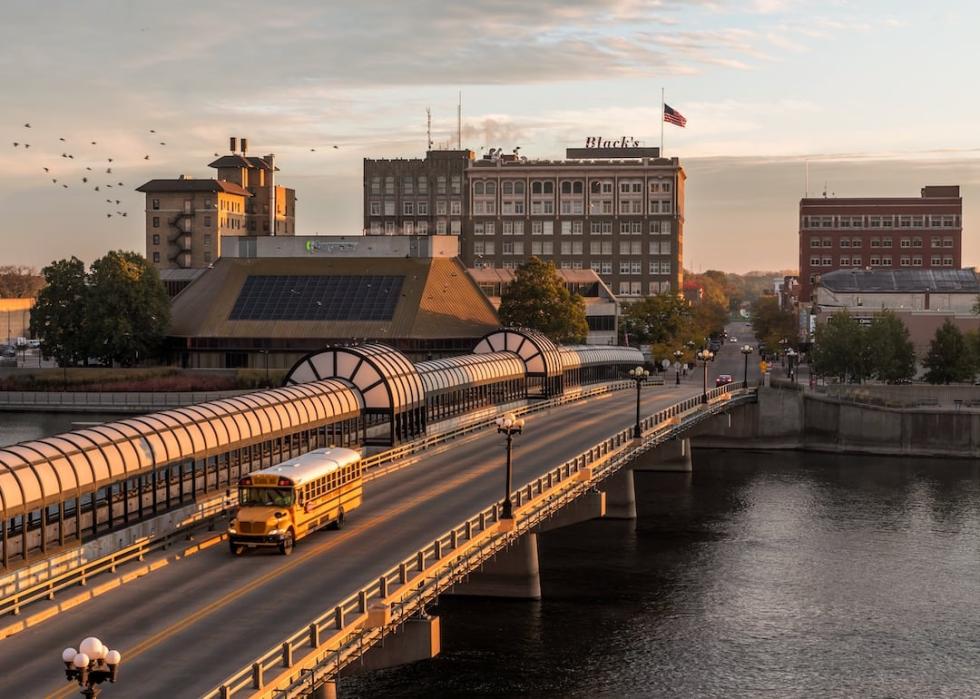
(468, 370)
(543, 348)
(391, 370)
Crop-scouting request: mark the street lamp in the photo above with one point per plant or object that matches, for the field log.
(91, 665)
(791, 355)
(677, 365)
(746, 351)
(509, 425)
(639, 376)
(704, 356)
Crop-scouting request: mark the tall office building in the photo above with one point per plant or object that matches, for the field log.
(186, 218)
(618, 211)
(922, 232)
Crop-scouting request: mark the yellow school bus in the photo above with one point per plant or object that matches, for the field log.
(280, 505)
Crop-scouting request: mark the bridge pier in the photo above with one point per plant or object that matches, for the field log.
(674, 455)
(620, 495)
(513, 573)
(327, 690)
(417, 639)
(591, 505)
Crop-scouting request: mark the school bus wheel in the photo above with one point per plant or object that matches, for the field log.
(286, 545)
(339, 522)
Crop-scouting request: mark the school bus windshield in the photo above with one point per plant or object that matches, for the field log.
(269, 497)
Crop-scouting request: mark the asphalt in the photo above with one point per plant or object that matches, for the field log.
(183, 629)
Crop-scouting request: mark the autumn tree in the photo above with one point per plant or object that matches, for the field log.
(538, 299)
(19, 282)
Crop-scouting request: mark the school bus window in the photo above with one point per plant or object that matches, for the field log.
(271, 497)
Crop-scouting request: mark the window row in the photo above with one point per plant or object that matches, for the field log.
(935, 242)
(882, 261)
(416, 185)
(883, 221)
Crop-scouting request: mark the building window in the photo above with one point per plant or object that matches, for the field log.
(156, 257)
(947, 262)
(422, 208)
(423, 185)
(156, 221)
(375, 208)
(207, 240)
(855, 242)
(916, 261)
(845, 243)
(886, 242)
(408, 185)
(441, 227)
(207, 222)
(936, 242)
(375, 185)
(389, 207)
(875, 261)
(876, 242)
(936, 260)
(389, 227)
(375, 227)
(156, 238)
(886, 261)
(947, 242)
(906, 243)
(408, 208)
(457, 184)
(155, 204)
(828, 262)
(814, 261)
(455, 226)
(409, 227)
(455, 207)
(904, 261)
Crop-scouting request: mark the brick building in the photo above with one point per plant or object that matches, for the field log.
(619, 212)
(880, 232)
(187, 218)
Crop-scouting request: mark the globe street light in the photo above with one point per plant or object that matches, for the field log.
(677, 365)
(704, 356)
(509, 425)
(639, 376)
(746, 351)
(91, 665)
(791, 355)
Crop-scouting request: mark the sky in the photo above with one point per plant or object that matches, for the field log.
(877, 96)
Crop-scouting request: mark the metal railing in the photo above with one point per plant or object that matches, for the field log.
(80, 575)
(112, 399)
(411, 584)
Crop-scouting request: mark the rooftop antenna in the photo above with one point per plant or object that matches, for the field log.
(806, 179)
(459, 122)
(428, 127)
(825, 189)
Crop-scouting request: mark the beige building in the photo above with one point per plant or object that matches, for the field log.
(187, 219)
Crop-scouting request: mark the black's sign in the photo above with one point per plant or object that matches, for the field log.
(621, 142)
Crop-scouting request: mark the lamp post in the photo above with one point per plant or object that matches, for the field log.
(91, 665)
(677, 365)
(639, 376)
(746, 351)
(704, 356)
(791, 355)
(268, 384)
(509, 425)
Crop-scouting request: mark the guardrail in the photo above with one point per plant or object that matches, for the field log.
(344, 632)
(80, 575)
(110, 399)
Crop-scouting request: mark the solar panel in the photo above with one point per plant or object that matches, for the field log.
(288, 297)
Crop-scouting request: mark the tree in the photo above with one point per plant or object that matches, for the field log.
(656, 319)
(538, 299)
(840, 348)
(58, 317)
(771, 324)
(128, 309)
(19, 282)
(949, 358)
(890, 353)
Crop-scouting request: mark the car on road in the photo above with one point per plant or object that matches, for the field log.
(733, 339)
(723, 379)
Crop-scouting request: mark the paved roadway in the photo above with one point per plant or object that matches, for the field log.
(184, 628)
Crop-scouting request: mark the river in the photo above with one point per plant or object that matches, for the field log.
(19, 427)
(762, 574)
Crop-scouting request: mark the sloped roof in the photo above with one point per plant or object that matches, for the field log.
(437, 299)
(901, 280)
(193, 185)
(235, 160)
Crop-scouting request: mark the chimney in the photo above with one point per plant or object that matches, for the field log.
(271, 159)
(244, 146)
(233, 144)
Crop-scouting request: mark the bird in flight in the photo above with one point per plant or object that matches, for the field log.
(65, 186)
(152, 131)
(46, 170)
(162, 143)
(110, 160)
(108, 171)
(16, 144)
(93, 143)
(85, 179)
(27, 126)
(336, 147)
(27, 145)
(89, 169)
(313, 150)
(96, 188)
(61, 139)
(146, 157)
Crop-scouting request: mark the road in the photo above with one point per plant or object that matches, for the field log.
(185, 627)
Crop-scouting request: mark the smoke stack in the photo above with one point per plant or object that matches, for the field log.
(244, 146)
(271, 159)
(233, 144)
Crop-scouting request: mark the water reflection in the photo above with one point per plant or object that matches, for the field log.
(776, 574)
(19, 427)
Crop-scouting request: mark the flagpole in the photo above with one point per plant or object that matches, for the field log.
(661, 122)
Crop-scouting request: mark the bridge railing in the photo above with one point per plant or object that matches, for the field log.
(317, 652)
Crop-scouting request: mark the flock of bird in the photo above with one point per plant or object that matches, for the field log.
(84, 168)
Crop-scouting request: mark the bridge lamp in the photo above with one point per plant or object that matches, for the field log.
(509, 425)
(91, 665)
(746, 350)
(704, 356)
(639, 375)
(791, 355)
(677, 365)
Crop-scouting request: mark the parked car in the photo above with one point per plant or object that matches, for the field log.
(723, 379)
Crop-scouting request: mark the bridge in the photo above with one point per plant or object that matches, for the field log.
(430, 523)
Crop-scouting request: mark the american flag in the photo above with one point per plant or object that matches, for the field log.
(672, 116)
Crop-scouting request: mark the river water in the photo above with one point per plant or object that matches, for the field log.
(19, 427)
(762, 574)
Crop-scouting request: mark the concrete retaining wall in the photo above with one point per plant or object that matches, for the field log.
(793, 419)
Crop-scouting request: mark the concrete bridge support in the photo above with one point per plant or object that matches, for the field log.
(417, 639)
(591, 505)
(513, 573)
(327, 690)
(620, 495)
(674, 455)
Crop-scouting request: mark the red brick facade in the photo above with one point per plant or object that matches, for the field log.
(889, 232)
